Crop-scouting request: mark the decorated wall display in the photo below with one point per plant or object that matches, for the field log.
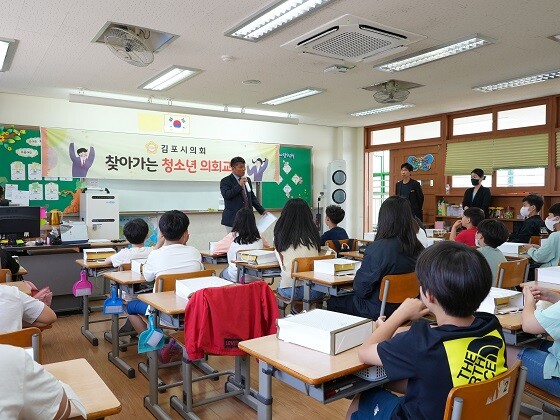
(294, 181)
(21, 174)
(421, 163)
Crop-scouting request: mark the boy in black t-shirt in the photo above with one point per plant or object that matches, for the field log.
(335, 215)
(464, 347)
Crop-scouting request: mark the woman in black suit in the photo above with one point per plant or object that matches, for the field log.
(477, 196)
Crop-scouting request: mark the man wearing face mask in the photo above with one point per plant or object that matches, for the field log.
(532, 205)
(477, 196)
(548, 255)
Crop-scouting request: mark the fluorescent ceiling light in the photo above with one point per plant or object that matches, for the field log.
(169, 78)
(292, 96)
(381, 110)
(432, 54)
(272, 18)
(520, 81)
(7, 52)
(166, 105)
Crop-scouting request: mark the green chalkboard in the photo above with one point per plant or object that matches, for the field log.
(23, 145)
(295, 178)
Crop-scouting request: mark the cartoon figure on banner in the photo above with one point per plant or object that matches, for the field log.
(257, 170)
(81, 160)
(421, 163)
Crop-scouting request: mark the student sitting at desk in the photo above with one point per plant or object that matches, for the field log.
(548, 255)
(244, 235)
(490, 235)
(393, 251)
(464, 347)
(470, 220)
(170, 255)
(335, 215)
(532, 205)
(135, 231)
(295, 236)
(29, 391)
(18, 310)
(8, 261)
(542, 362)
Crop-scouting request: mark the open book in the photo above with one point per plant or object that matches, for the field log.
(186, 288)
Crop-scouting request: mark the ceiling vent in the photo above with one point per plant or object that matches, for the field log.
(153, 40)
(352, 39)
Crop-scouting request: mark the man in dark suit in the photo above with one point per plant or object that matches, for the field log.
(411, 190)
(82, 161)
(237, 192)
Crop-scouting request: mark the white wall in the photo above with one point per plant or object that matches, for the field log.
(328, 143)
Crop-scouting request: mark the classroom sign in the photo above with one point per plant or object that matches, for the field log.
(107, 155)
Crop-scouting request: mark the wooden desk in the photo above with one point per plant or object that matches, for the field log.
(512, 256)
(210, 258)
(21, 285)
(260, 271)
(325, 283)
(93, 270)
(311, 372)
(171, 307)
(355, 255)
(96, 397)
(125, 282)
(512, 328)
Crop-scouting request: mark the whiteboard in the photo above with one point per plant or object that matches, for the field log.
(148, 195)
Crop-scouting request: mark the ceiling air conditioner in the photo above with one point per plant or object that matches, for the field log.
(353, 39)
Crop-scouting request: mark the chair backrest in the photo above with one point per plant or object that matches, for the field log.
(5, 275)
(535, 240)
(306, 263)
(166, 282)
(125, 267)
(395, 288)
(342, 245)
(512, 273)
(498, 398)
(26, 338)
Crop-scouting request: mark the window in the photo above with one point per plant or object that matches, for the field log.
(525, 177)
(427, 130)
(381, 182)
(474, 124)
(464, 181)
(389, 135)
(522, 117)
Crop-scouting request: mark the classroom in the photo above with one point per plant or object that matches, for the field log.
(460, 97)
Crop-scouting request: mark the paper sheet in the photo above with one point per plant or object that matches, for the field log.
(76, 403)
(265, 221)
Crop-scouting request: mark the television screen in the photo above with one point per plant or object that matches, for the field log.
(20, 222)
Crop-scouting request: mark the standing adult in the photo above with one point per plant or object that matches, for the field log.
(237, 192)
(477, 196)
(411, 190)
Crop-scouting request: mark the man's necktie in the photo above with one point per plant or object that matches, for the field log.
(245, 197)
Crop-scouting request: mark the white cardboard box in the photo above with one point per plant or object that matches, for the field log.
(258, 256)
(548, 274)
(336, 266)
(501, 301)
(185, 288)
(512, 248)
(97, 254)
(137, 265)
(325, 331)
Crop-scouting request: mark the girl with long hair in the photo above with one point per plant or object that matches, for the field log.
(394, 251)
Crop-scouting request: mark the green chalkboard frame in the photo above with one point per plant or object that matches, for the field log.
(295, 178)
(14, 138)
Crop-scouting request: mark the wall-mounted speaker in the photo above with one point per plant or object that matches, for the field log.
(336, 184)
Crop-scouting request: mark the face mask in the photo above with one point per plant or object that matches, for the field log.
(550, 223)
(476, 242)
(524, 211)
(475, 182)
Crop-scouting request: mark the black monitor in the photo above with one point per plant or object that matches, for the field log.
(19, 223)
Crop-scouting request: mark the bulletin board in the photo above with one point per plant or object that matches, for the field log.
(20, 153)
(295, 178)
